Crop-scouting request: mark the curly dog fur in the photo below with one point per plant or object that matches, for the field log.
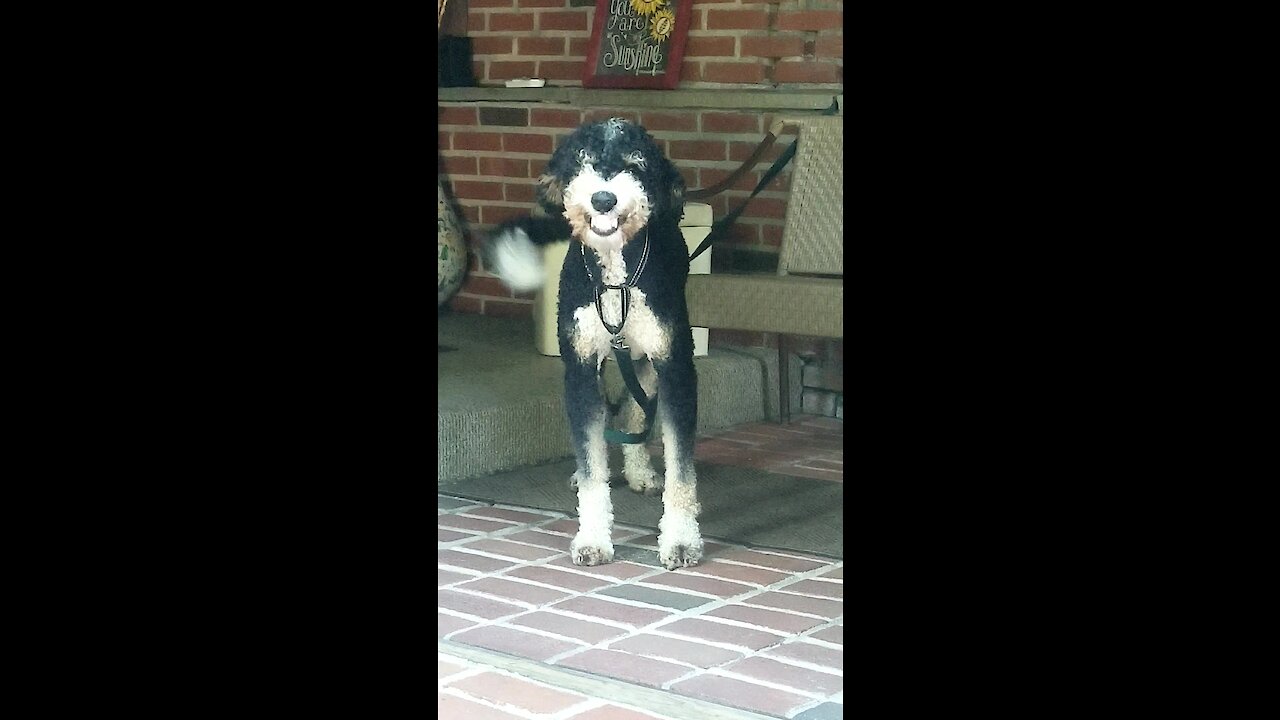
(611, 191)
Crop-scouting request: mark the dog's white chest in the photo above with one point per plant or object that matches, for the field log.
(642, 331)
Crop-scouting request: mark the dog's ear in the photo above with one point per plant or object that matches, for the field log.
(550, 190)
(676, 182)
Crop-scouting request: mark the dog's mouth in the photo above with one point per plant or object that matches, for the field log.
(605, 224)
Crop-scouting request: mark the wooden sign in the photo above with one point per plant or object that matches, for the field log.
(637, 43)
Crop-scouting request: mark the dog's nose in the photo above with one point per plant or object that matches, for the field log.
(603, 201)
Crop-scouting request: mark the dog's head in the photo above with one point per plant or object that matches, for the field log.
(610, 179)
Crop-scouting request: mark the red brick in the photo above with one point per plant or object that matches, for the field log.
(740, 151)
(541, 45)
(443, 535)
(777, 562)
(697, 150)
(446, 624)
(478, 70)
(711, 176)
(559, 578)
(833, 634)
(811, 653)
(489, 3)
(557, 70)
(738, 19)
(444, 577)
(476, 20)
(471, 214)
(460, 165)
(514, 590)
(514, 642)
(492, 45)
(578, 47)
(738, 72)
(651, 121)
(538, 3)
(525, 695)
(498, 308)
(740, 694)
(616, 570)
(817, 587)
(542, 539)
(739, 573)
(506, 70)
(445, 669)
(443, 141)
(486, 608)
(803, 679)
(632, 668)
(477, 190)
(771, 619)
(543, 117)
(799, 71)
(571, 20)
(809, 20)
(477, 141)
(570, 627)
(519, 192)
(762, 207)
(690, 71)
(709, 47)
(494, 214)
(504, 167)
(515, 142)
(510, 21)
(469, 523)
(697, 654)
(722, 633)
(456, 115)
(709, 586)
(837, 573)
(506, 514)
(777, 46)
(613, 712)
(730, 123)
(470, 561)
(448, 706)
(605, 610)
(829, 46)
(487, 286)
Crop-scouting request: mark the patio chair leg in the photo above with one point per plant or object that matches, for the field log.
(784, 381)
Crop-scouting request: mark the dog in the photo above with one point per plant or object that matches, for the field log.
(611, 191)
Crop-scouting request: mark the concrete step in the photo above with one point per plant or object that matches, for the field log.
(500, 403)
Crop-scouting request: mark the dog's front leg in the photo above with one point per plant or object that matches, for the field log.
(679, 541)
(593, 545)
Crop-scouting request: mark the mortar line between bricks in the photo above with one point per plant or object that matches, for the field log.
(643, 698)
(507, 708)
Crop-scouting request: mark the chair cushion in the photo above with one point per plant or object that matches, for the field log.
(767, 303)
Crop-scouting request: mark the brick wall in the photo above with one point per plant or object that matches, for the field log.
(490, 152)
(787, 43)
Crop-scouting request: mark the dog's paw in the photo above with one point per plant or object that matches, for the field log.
(591, 549)
(679, 555)
(679, 541)
(514, 258)
(644, 480)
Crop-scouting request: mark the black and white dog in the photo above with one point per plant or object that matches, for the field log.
(611, 190)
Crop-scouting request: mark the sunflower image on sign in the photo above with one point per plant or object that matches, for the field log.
(647, 7)
(661, 24)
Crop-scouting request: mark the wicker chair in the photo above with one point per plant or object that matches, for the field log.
(806, 297)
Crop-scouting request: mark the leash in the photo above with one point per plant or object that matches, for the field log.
(621, 352)
(720, 228)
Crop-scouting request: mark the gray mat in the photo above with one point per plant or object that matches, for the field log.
(739, 505)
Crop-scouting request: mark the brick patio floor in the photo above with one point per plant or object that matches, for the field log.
(747, 633)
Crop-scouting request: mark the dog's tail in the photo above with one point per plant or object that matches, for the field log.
(512, 253)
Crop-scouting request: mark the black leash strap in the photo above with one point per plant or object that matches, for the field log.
(648, 404)
(720, 228)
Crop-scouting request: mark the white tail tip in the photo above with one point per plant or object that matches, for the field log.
(516, 261)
